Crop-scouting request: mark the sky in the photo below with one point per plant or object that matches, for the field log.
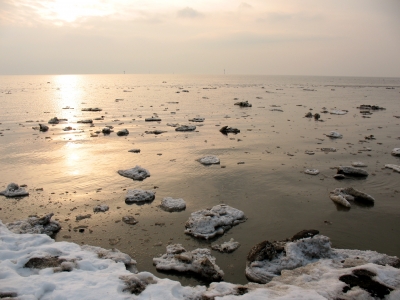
(249, 37)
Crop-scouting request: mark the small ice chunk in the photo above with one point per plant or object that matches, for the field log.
(339, 199)
(311, 171)
(396, 152)
(136, 173)
(338, 112)
(328, 149)
(123, 132)
(243, 104)
(198, 261)
(334, 134)
(351, 194)
(54, 120)
(14, 190)
(134, 150)
(86, 121)
(100, 208)
(393, 167)
(130, 220)
(82, 217)
(170, 204)
(207, 223)
(226, 247)
(152, 119)
(138, 195)
(209, 160)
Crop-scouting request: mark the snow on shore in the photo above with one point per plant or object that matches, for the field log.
(33, 266)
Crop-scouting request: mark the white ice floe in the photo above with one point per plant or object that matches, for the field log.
(100, 208)
(351, 171)
(226, 247)
(136, 173)
(171, 204)
(14, 190)
(334, 134)
(311, 171)
(89, 273)
(343, 195)
(396, 152)
(291, 255)
(393, 167)
(338, 112)
(138, 195)
(358, 164)
(207, 223)
(34, 224)
(199, 261)
(209, 160)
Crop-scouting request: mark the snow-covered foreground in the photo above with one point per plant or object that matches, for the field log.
(33, 266)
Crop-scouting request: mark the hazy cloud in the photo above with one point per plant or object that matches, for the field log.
(244, 5)
(189, 12)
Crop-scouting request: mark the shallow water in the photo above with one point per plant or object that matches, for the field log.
(77, 171)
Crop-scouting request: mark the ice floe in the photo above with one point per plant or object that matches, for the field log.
(226, 247)
(393, 167)
(351, 171)
(185, 128)
(209, 160)
(136, 173)
(171, 204)
(35, 224)
(311, 171)
(343, 195)
(208, 223)
(138, 195)
(396, 152)
(199, 261)
(334, 134)
(14, 190)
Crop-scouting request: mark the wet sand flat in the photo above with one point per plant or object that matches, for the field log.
(261, 170)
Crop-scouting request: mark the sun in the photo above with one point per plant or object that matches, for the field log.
(71, 10)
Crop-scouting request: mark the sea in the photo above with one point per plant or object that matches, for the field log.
(72, 167)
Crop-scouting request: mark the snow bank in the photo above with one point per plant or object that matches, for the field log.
(87, 272)
(207, 223)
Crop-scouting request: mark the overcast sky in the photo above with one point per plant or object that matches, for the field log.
(271, 37)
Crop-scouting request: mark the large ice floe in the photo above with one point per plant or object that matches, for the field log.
(198, 261)
(136, 173)
(34, 266)
(208, 223)
(14, 190)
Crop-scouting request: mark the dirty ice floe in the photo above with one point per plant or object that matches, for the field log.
(226, 247)
(34, 224)
(351, 171)
(275, 258)
(393, 167)
(209, 160)
(396, 152)
(343, 195)
(138, 195)
(136, 173)
(311, 171)
(171, 204)
(94, 274)
(185, 128)
(207, 223)
(334, 134)
(100, 208)
(198, 261)
(14, 190)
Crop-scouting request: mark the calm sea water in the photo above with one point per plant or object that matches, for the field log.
(77, 171)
